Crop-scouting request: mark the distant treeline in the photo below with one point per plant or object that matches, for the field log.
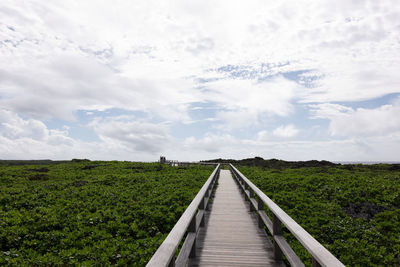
(37, 162)
(256, 161)
(275, 163)
(282, 164)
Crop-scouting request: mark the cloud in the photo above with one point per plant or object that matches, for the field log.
(68, 82)
(347, 79)
(244, 101)
(29, 139)
(212, 143)
(282, 132)
(286, 131)
(121, 138)
(360, 122)
(125, 138)
(236, 119)
(134, 135)
(14, 127)
(328, 110)
(263, 135)
(221, 145)
(150, 61)
(158, 58)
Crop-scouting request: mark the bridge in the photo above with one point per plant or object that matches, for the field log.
(225, 225)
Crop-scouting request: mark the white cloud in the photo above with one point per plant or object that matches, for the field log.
(69, 82)
(328, 110)
(345, 121)
(29, 138)
(62, 56)
(286, 131)
(236, 119)
(243, 102)
(212, 143)
(282, 132)
(14, 127)
(121, 138)
(126, 139)
(162, 44)
(133, 135)
(263, 135)
(359, 149)
(157, 48)
(366, 122)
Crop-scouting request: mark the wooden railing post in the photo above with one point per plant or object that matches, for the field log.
(277, 230)
(192, 229)
(241, 184)
(201, 207)
(202, 203)
(251, 195)
(260, 206)
(246, 187)
(207, 194)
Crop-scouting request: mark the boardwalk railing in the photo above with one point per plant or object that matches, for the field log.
(188, 163)
(189, 223)
(320, 255)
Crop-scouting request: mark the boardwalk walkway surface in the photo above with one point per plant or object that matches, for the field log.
(231, 236)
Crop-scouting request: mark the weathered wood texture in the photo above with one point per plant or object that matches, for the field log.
(231, 236)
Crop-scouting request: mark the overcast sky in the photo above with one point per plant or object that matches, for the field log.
(191, 80)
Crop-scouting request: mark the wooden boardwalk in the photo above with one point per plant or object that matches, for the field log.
(231, 236)
(227, 234)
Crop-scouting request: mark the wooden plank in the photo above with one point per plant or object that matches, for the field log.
(184, 253)
(206, 202)
(231, 262)
(231, 236)
(199, 219)
(232, 251)
(213, 263)
(276, 230)
(267, 221)
(318, 252)
(291, 256)
(253, 204)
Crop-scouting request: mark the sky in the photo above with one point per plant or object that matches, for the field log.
(194, 80)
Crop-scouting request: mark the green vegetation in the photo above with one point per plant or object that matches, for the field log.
(117, 213)
(353, 210)
(90, 213)
(273, 163)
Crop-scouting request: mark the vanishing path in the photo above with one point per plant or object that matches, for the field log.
(231, 236)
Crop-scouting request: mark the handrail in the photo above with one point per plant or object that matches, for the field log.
(189, 222)
(320, 255)
(188, 163)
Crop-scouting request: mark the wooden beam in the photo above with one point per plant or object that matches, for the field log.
(185, 251)
(290, 255)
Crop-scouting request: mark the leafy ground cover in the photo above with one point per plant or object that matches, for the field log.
(353, 210)
(91, 213)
